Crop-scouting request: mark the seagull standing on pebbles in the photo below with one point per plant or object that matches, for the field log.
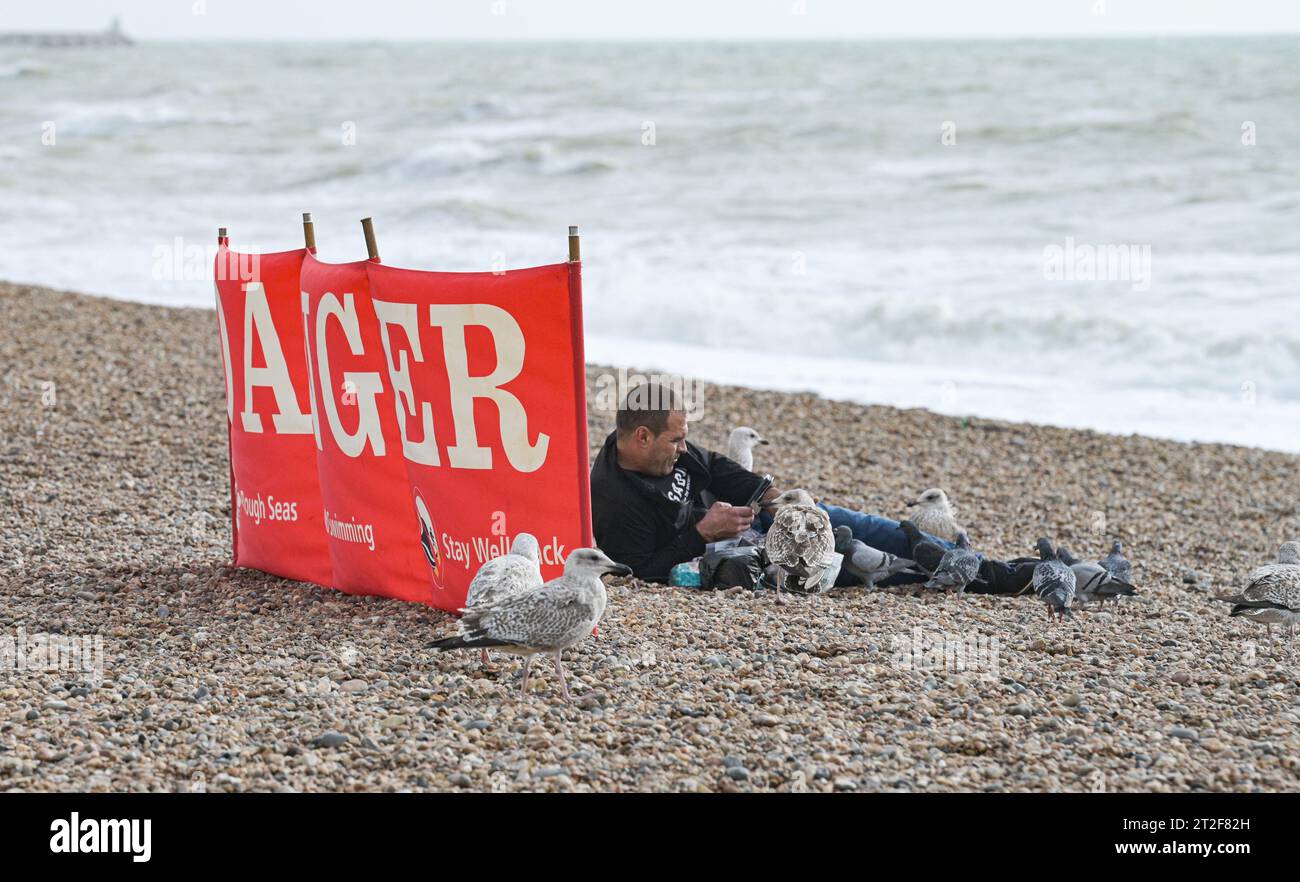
(867, 563)
(550, 618)
(740, 446)
(935, 515)
(958, 568)
(511, 573)
(1054, 582)
(1273, 595)
(800, 540)
(1095, 582)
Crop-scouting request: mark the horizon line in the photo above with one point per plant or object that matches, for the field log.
(872, 38)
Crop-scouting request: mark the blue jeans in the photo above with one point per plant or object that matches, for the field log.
(878, 532)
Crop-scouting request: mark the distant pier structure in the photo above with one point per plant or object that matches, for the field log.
(112, 36)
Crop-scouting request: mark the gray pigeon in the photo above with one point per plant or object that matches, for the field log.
(1054, 582)
(500, 577)
(925, 552)
(550, 618)
(800, 541)
(866, 563)
(957, 569)
(1273, 595)
(1117, 564)
(1094, 581)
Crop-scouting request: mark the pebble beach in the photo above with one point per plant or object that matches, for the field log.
(115, 524)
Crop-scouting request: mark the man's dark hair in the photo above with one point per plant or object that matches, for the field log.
(647, 404)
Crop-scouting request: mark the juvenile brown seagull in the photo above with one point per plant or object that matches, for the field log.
(1273, 595)
(934, 514)
(800, 541)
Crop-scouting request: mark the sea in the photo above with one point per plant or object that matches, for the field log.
(1091, 233)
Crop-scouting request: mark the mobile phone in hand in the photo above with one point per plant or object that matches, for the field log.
(763, 487)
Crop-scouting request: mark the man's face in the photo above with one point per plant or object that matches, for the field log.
(663, 449)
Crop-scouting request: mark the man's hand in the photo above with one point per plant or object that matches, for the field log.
(723, 521)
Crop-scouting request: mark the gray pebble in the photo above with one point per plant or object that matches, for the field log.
(330, 739)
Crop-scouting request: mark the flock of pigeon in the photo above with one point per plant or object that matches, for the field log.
(509, 607)
(800, 540)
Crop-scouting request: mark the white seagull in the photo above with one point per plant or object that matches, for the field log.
(740, 446)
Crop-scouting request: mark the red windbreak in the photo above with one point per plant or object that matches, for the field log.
(450, 415)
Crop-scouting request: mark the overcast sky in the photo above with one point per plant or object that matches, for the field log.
(654, 19)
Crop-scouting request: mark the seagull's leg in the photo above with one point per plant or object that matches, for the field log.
(523, 690)
(559, 667)
(483, 656)
(780, 580)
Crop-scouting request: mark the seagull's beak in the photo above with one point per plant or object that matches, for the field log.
(619, 569)
(913, 502)
(764, 441)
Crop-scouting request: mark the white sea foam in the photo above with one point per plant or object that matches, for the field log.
(783, 215)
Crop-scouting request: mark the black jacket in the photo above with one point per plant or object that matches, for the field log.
(637, 524)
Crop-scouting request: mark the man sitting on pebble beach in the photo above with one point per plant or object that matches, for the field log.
(648, 486)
